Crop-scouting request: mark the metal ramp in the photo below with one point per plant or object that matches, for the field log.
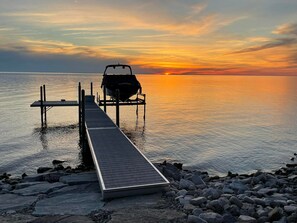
(121, 168)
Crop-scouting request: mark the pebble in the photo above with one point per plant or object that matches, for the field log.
(246, 219)
(211, 217)
(198, 201)
(195, 219)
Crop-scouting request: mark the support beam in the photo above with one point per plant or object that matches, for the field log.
(118, 107)
(44, 99)
(41, 105)
(79, 109)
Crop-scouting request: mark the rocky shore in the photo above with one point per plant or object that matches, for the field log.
(58, 194)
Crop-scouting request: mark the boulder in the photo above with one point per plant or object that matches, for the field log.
(40, 188)
(15, 202)
(246, 219)
(186, 184)
(198, 201)
(195, 219)
(236, 201)
(275, 214)
(211, 217)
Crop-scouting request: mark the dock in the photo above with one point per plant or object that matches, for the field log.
(122, 169)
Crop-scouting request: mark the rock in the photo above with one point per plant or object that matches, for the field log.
(290, 209)
(228, 218)
(10, 212)
(197, 180)
(15, 202)
(182, 192)
(195, 219)
(266, 191)
(170, 194)
(227, 190)
(79, 178)
(234, 210)
(211, 217)
(170, 170)
(41, 188)
(189, 207)
(82, 188)
(26, 184)
(56, 162)
(248, 200)
(198, 201)
(292, 218)
(275, 214)
(238, 186)
(33, 178)
(246, 219)
(211, 193)
(197, 211)
(178, 165)
(63, 219)
(17, 218)
(185, 184)
(69, 204)
(54, 176)
(236, 201)
(146, 215)
(216, 206)
(259, 201)
(59, 167)
(43, 169)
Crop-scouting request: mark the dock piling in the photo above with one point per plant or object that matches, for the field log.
(118, 107)
(104, 97)
(44, 99)
(92, 88)
(41, 105)
(83, 115)
(79, 109)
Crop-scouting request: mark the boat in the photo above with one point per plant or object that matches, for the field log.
(120, 77)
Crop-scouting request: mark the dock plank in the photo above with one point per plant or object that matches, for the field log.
(121, 167)
(54, 103)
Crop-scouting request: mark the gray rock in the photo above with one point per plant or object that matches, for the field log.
(185, 184)
(54, 176)
(17, 218)
(228, 218)
(248, 200)
(182, 192)
(211, 217)
(292, 218)
(146, 215)
(211, 193)
(189, 207)
(246, 219)
(275, 214)
(69, 204)
(62, 219)
(227, 190)
(26, 184)
(259, 201)
(234, 210)
(82, 188)
(197, 211)
(282, 220)
(290, 209)
(33, 178)
(238, 186)
(80, 178)
(216, 206)
(266, 191)
(198, 201)
(43, 169)
(133, 202)
(195, 219)
(170, 170)
(41, 188)
(236, 201)
(197, 180)
(15, 202)
(248, 209)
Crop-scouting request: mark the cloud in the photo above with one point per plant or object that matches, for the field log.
(268, 45)
(290, 29)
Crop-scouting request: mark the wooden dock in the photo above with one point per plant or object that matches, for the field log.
(121, 167)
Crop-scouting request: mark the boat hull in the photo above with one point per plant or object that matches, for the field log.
(127, 85)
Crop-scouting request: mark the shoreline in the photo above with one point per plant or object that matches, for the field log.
(57, 193)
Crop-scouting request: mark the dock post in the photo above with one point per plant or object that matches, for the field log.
(97, 97)
(144, 106)
(83, 134)
(117, 108)
(79, 108)
(44, 99)
(41, 106)
(92, 88)
(104, 97)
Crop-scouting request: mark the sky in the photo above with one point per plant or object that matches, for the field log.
(249, 37)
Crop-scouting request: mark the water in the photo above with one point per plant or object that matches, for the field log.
(214, 123)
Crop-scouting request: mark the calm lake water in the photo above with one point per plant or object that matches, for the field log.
(214, 123)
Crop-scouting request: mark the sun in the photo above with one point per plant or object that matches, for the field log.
(167, 73)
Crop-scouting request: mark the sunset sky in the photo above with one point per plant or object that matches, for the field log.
(166, 36)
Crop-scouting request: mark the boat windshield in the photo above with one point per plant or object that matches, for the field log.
(118, 70)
